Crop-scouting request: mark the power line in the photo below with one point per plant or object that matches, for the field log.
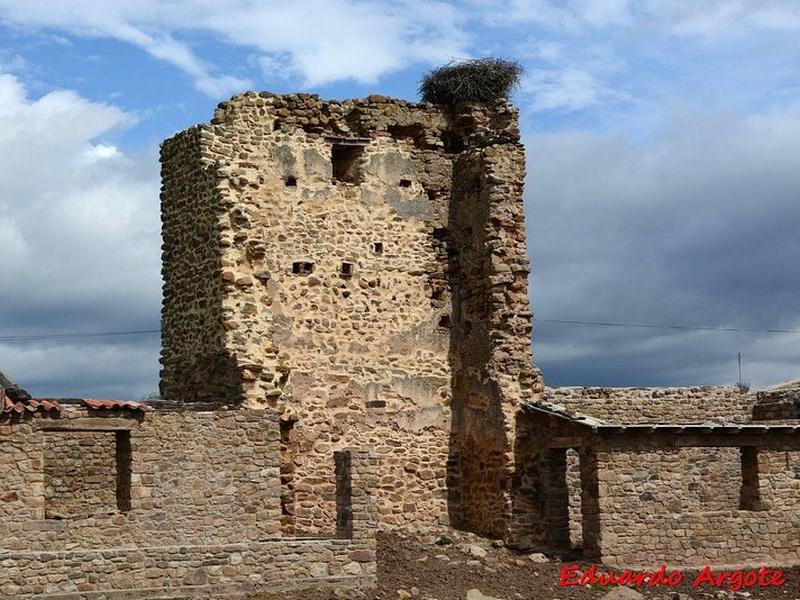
(66, 336)
(655, 326)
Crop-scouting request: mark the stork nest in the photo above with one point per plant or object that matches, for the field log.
(478, 80)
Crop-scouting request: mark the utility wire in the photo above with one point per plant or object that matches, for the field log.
(66, 336)
(654, 326)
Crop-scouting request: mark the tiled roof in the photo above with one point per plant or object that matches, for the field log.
(19, 401)
(558, 411)
(114, 405)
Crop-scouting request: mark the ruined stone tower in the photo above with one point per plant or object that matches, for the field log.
(361, 266)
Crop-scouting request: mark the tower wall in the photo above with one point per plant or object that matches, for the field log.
(360, 266)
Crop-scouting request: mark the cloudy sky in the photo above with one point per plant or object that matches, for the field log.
(663, 141)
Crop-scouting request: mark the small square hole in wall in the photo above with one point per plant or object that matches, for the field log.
(291, 181)
(377, 247)
(347, 269)
(346, 159)
(444, 321)
(302, 268)
(405, 183)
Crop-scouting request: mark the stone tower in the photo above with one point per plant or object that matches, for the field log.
(361, 266)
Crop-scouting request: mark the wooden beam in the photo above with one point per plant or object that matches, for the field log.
(86, 424)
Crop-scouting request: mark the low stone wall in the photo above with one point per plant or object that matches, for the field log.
(201, 516)
(681, 507)
(655, 405)
(179, 571)
(195, 476)
(720, 538)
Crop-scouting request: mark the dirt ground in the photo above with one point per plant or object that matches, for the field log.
(413, 567)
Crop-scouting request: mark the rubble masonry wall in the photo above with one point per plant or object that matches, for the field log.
(381, 302)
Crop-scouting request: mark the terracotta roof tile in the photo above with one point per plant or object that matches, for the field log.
(18, 404)
(114, 405)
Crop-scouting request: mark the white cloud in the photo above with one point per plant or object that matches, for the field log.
(323, 40)
(79, 230)
(567, 89)
(706, 18)
(720, 17)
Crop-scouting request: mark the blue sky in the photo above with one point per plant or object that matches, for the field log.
(663, 140)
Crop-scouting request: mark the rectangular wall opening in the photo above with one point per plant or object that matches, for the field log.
(346, 159)
(750, 496)
(87, 473)
(287, 477)
(557, 499)
(124, 466)
(344, 493)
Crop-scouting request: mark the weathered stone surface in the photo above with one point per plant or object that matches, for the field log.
(361, 267)
(202, 507)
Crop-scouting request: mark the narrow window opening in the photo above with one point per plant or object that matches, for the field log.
(287, 476)
(347, 269)
(377, 247)
(344, 493)
(405, 183)
(375, 403)
(444, 321)
(302, 268)
(556, 497)
(346, 159)
(291, 181)
(750, 496)
(124, 460)
(276, 125)
(432, 194)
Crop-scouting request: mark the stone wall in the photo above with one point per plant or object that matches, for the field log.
(192, 351)
(675, 480)
(219, 571)
(364, 272)
(203, 512)
(648, 514)
(490, 341)
(777, 404)
(656, 405)
(80, 474)
(195, 476)
(779, 475)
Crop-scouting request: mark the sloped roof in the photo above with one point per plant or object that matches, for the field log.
(15, 400)
(114, 405)
(716, 426)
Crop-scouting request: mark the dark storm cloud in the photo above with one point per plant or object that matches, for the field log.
(698, 228)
